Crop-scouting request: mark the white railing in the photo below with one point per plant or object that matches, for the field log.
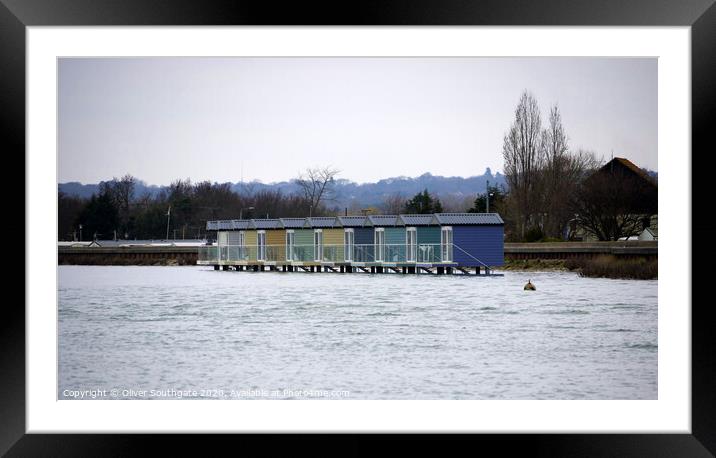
(426, 253)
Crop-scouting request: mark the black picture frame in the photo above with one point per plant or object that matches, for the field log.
(700, 15)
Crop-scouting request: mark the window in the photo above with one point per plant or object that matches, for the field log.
(411, 244)
(261, 249)
(446, 244)
(318, 244)
(348, 242)
(379, 244)
(290, 239)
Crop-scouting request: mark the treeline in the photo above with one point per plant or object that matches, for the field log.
(181, 210)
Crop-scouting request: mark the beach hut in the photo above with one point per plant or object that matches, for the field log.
(251, 242)
(237, 240)
(471, 239)
(223, 228)
(389, 239)
(293, 253)
(300, 238)
(422, 238)
(270, 240)
(327, 238)
(356, 236)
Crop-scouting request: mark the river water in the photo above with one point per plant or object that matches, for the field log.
(192, 332)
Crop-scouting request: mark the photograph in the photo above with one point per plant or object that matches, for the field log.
(357, 228)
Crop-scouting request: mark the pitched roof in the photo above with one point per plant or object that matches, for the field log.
(352, 221)
(626, 163)
(224, 224)
(357, 221)
(322, 221)
(293, 223)
(415, 220)
(468, 219)
(383, 220)
(240, 224)
(265, 224)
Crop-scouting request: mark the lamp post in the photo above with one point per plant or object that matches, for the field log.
(487, 196)
(80, 232)
(169, 212)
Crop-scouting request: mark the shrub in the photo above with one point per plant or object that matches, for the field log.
(534, 234)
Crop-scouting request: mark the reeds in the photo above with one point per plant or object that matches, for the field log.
(609, 266)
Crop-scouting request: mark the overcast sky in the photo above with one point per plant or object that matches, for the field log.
(269, 118)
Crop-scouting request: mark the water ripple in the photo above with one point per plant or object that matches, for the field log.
(376, 336)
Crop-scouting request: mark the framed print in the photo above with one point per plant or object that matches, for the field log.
(416, 218)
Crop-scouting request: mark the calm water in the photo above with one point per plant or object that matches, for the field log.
(164, 331)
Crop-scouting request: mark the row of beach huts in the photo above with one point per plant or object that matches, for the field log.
(434, 243)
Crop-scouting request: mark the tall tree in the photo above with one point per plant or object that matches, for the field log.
(68, 210)
(423, 203)
(99, 218)
(179, 198)
(561, 175)
(121, 191)
(523, 157)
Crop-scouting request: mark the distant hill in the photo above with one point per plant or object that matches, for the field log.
(73, 188)
(347, 192)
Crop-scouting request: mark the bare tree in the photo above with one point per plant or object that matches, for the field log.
(523, 153)
(393, 204)
(561, 175)
(317, 185)
(121, 191)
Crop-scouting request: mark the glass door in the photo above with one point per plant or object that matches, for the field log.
(290, 238)
(242, 250)
(222, 241)
(411, 242)
(379, 244)
(318, 245)
(348, 241)
(261, 240)
(446, 244)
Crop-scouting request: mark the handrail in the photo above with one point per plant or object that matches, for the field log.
(388, 252)
(473, 257)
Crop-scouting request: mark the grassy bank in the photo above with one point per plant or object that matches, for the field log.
(609, 266)
(606, 266)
